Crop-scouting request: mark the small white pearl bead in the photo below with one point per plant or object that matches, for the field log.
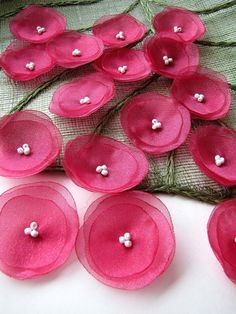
(121, 239)
(76, 52)
(127, 236)
(128, 243)
(20, 151)
(104, 172)
(33, 225)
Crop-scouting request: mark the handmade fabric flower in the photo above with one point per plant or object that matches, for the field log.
(124, 64)
(29, 142)
(38, 226)
(37, 24)
(72, 49)
(99, 163)
(222, 236)
(127, 240)
(119, 30)
(155, 123)
(213, 149)
(23, 63)
(205, 93)
(186, 24)
(169, 55)
(81, 97)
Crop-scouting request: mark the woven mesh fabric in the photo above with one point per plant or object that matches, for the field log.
(173, 172)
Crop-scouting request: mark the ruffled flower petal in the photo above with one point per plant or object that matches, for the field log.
(38, 226)
(72, 49)
(82, 97)
(222, 236)
(213, 148)
(119, 30)
(205, 93)
(29, 142)
(162, 126)
(169, 55)
(37, 24)
(186, 24)
(127, 240)
(124, 64)
(102, 164)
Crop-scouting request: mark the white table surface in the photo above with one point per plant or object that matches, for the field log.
(193, 284)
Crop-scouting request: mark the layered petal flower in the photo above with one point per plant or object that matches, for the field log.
(127, 240)
(37, 24)
(169, 55)
(222, 236)
(204, 92)
(186, 24)
(213, 148)
(99, 163)
(38, 226)
(29, 142)
(82, 97)
(155, 123)
(124, 64)
(119, 30)
(72, 49)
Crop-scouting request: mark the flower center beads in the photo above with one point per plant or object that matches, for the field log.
(40, 30)
(23, 150)
(167, 60)
(219, 160)
(120, 35)
(122, 69)
(126, 240)
(30, 66)
(199, 97)
(156, 124)
(85, 100)
(32, 230)
(76, 52)
(177, 29)
(103, 170)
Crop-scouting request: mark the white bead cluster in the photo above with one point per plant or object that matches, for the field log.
(177, 29)
(30, 66)
(120, 35)
(32, 230)
(219, 160)
(126, 240)
(167, 60)
(23, 150)
(85, 100)
(103, 170)
(199, 97)
(156, 124)
(76, 52)
(122, 69)
(40, 30)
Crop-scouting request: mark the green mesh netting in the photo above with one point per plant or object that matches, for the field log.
(174, 172)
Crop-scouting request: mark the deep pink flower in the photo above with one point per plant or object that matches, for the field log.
(119, 30)
(37, 24)
(72, 49)
(213, 149)
(82, 97)
(127, 240)
(99, 163)
(38, 226)
(29, 142)
(186, 24)
(155, 123)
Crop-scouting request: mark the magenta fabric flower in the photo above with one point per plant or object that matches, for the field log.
(82, 97)
(127, 240)
(155, 123)
(37, 24)
(29, 142)
(124, 64)
(72, 49)
(205, 93)
(102, 164)
(169, 55)
(213, 148)
(38, 226)
(222, 236)
(186, 24)
(119, 30)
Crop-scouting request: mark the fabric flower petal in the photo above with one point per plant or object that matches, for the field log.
(29, 142)
(102, 164)
(82, 97)
(163, 125)
(48, 210)
(137, 216)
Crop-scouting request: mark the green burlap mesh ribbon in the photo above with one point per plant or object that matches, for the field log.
(174, 172)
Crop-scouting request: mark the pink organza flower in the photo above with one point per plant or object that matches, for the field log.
(72, 49)
(119, 30)
(213, 149)
(222, 236)
(37, 24)
(29, 142)
(38, 226)
(82, 97)
(205, 93)
(186, 24)
(23, 63)
(169, 55)
(102, 164)
(127, 240)
(155, 123)
(124, 64)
